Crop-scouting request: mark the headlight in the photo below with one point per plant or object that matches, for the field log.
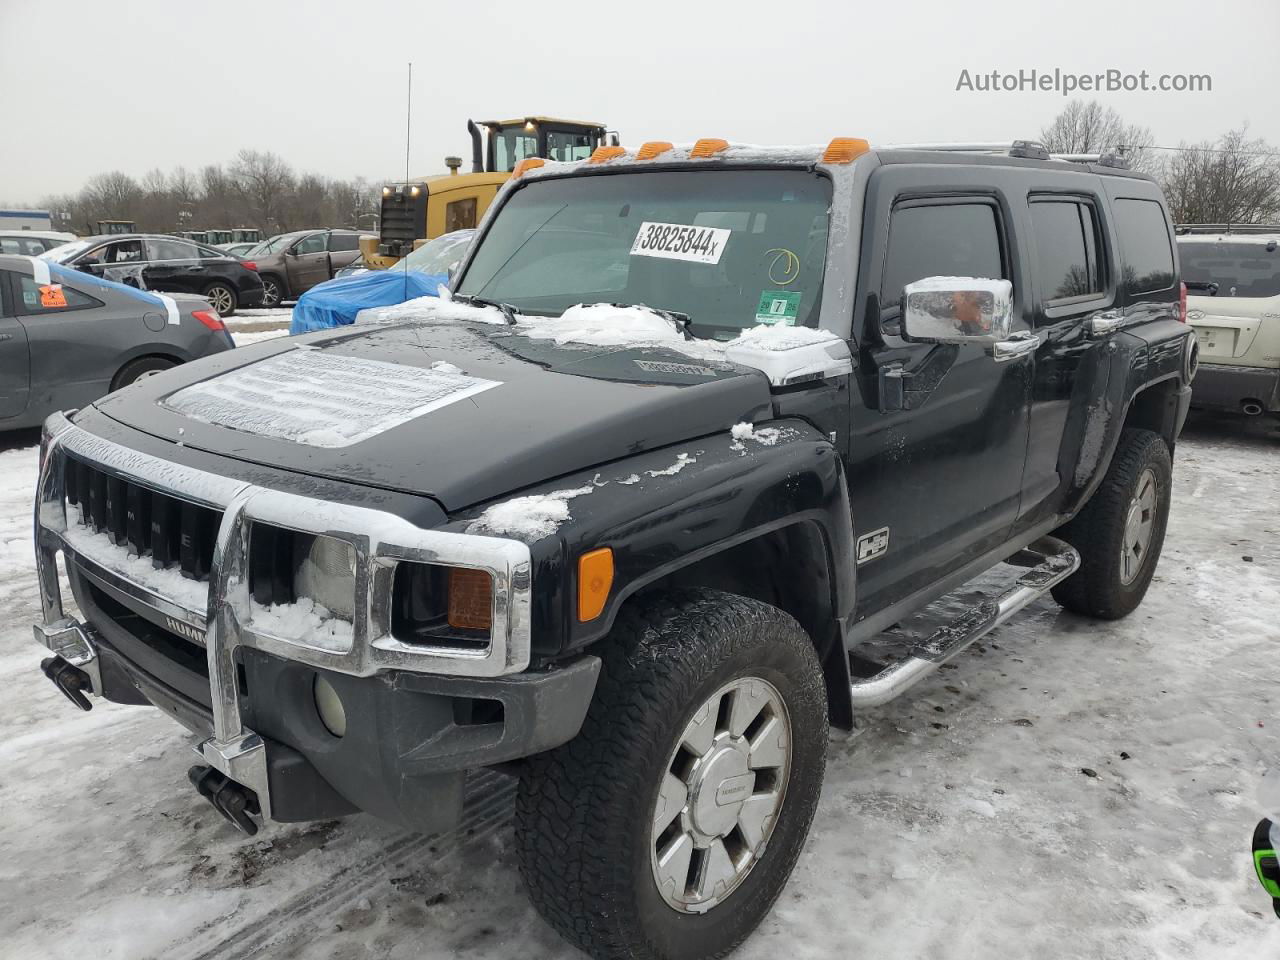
(327, 575)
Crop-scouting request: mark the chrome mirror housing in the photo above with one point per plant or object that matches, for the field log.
(957, 310)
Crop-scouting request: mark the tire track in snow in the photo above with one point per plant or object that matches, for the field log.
(487, 807)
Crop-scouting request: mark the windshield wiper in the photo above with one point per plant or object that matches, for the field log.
(508, 311)
(680, 320)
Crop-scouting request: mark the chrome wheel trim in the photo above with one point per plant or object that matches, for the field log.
(1139, 523)
(221, 299)
(722, 790)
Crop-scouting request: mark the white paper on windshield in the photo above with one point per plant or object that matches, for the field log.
(679, 241)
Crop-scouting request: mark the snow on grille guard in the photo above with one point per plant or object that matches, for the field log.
(380, 540)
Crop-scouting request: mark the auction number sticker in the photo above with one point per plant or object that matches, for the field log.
(676, 241)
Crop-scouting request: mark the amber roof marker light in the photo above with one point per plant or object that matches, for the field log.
(528, 163)
(845, 149)
(709, 147)
(653, 148)
(605, 154)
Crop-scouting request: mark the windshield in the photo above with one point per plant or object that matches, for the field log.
(436, 256)
(65, 252)
(1239, 269)
(731, 249)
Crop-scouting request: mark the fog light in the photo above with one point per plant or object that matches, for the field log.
(329, 706)
(327, 575)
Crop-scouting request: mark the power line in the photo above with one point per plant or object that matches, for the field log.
(1241, 153)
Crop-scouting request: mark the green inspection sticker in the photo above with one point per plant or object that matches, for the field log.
(778, 306)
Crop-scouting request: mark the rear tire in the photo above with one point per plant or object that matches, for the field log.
(1120, 531)
(589, 816)
(272, 290)
(140, 369)
(223, 299)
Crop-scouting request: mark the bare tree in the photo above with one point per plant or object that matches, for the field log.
(1229, 180)
(1086, 126)
(264, 180)
(259, 190)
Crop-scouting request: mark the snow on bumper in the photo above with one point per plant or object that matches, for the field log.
(221, 617)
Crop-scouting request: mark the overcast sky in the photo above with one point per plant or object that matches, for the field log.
(136, 84)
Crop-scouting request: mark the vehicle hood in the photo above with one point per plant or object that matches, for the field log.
(461, 412)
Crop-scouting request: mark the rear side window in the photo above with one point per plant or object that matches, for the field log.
(940, 240)
(1144, 246)
(41, 298)
(1248, 269)
(26, 246)
(1066, 235)
(344, 241)
(160, 249)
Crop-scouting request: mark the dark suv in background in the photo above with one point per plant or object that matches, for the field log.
(166, 264)
(290, 264)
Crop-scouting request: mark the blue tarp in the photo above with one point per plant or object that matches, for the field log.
(336, 302)
(420, 274)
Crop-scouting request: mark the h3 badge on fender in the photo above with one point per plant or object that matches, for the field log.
(872, 545)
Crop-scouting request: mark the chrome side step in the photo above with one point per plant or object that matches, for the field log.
(1050, 561)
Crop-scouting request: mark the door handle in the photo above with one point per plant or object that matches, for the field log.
(6, 336)
(1005, 350)
(1102, 324)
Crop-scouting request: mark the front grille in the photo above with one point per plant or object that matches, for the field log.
(172, 532)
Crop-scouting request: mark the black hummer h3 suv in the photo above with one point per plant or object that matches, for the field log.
(630, 551)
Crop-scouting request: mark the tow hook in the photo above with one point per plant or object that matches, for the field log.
(233, 800)
(71, 680)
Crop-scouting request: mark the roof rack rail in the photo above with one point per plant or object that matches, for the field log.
(1186, 228)
(1033, 149)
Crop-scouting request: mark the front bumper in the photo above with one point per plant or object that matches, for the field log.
(1228, 387)
(249, 695)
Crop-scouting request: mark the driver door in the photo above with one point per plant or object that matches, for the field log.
(935, 477)
(308, 263)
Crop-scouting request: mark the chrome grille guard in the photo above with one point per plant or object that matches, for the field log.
(380, 540)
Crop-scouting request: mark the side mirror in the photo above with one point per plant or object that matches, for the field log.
(957, 310)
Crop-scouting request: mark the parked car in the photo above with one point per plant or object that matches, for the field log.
(622, 516)
(67, 337)
(32, 243)
(420, 274)
(1233, 304)
(238, 249)
(166, 264)
(292, 263)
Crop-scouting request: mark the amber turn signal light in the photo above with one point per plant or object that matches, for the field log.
(595, 578)
(470, 599)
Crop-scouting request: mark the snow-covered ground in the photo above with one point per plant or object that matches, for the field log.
(1068, 789)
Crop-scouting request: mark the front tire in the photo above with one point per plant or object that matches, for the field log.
(1120, 531)
(272, 290)
(667, 828)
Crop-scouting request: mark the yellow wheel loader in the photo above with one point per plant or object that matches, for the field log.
(419, 210)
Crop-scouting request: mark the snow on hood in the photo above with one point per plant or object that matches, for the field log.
(608, 325)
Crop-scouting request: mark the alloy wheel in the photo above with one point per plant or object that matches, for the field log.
(722, 791)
